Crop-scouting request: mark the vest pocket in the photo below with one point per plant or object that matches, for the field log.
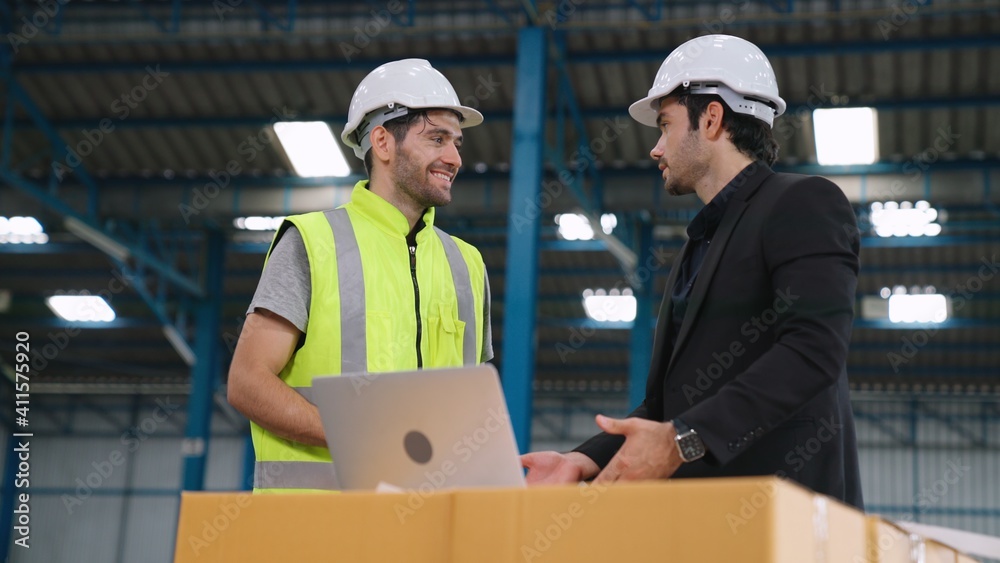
(445, 335)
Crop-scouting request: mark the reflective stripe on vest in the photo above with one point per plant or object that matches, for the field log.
(294, 475)
(463, 289)
(353, 347)
(354, 359)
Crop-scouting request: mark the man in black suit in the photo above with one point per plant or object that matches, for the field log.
(748, 375)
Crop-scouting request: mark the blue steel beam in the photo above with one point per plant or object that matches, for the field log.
(774, 50)
(205, 373)
(854, 371)
(259, 121)
(14, 321)
(875, 169)
(249, 460)
(9, 492)
(174, 24)
(641, 340)
(288, 24)
(60, 150)
(522, 243)
(47, 198)
(60, 207)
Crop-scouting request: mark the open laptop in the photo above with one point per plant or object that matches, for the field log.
(433, 428)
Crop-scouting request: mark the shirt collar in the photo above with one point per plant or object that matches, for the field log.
(707, 220)
(383, 214)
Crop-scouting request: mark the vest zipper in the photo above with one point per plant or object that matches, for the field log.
(416, 300)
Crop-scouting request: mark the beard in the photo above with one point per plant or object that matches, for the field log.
(414, 181)
(689, 166)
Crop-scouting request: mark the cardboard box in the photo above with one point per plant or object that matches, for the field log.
(746, 519)
(846, 536)
(887, 543)
(363, 527)
(764, 520)
(935, 552)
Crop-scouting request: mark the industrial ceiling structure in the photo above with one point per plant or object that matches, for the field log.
(137, 132)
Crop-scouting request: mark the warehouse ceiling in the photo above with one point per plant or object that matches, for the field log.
(131, 115)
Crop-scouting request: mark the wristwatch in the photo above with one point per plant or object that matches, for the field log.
(689, 444)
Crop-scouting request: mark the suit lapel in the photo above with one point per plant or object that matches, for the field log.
(732, 216)
(749, 181)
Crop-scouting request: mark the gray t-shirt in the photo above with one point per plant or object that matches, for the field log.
(286, 290)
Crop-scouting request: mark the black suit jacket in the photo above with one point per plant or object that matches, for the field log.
(759, 369)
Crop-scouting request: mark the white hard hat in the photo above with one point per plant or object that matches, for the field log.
(393, 89)
(731, 67)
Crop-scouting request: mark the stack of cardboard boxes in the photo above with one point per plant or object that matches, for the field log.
(717, 520)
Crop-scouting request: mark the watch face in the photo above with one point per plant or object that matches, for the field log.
(691, 448)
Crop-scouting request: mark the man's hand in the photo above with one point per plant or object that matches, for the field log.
(553, 468)
(255, 388)
(649, 451)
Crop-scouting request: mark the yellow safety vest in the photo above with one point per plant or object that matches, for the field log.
(363, 315)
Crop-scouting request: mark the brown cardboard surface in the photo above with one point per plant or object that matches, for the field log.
(939, 552)
(364, 527)
(846, 538)
(887, 543)
(693, 520)
(743, 519)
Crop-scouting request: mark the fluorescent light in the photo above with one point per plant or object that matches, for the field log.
(609, 306)
(918, 308)
(892, 219)
(258, 223)
(311, 148)
(22, 230)
(608, 223)
(81, 308)
(573, 226)
(846, 135)
(97, 238)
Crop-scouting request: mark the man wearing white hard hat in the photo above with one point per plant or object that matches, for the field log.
(748, 375)
(370, 286)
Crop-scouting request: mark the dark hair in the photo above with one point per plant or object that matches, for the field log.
(751, 136)
(399, 127)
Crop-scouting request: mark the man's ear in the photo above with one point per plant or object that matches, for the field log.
(383, 144)
(711, 120)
